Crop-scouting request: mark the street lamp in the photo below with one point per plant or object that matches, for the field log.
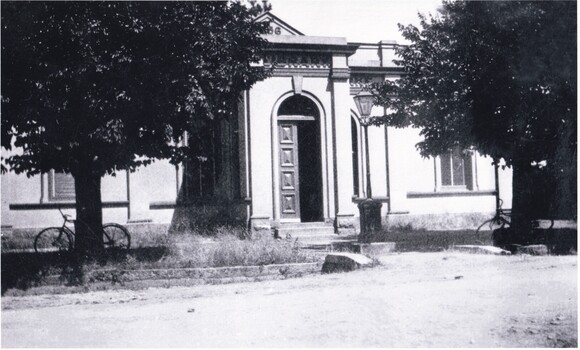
(370, 210)
(364, 103)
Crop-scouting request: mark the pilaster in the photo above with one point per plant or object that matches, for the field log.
(342, 162)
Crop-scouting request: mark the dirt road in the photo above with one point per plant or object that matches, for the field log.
(412, 300)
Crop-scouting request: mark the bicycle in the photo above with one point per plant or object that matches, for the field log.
(61, 239)
(501, 218)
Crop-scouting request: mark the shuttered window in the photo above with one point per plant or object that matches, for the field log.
(456, 169)
(214, 169)
(61, 186)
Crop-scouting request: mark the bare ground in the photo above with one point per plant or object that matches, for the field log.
(413, 300)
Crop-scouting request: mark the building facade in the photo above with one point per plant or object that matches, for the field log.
(293, 155)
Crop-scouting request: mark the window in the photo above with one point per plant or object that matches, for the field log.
(200, 173)
(61, 186)
(456, 169)
(213, 169)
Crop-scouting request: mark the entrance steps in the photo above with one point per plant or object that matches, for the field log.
(306, 230)
(314, 235)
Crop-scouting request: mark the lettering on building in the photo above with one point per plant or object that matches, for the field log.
(296, 60)
(275, 30)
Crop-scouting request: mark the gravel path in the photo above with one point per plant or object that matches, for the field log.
(412, 300)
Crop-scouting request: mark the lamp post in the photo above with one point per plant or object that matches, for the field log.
(370, 210)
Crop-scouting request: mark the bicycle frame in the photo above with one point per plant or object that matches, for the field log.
(65, 227)
(501, 218)
(111, 235)
(72, 233)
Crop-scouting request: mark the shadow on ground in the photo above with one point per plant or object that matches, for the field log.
(559, 241)
(432, 241)
(23, 270)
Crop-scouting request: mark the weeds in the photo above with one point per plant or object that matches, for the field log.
(225, 249)
(225, 246)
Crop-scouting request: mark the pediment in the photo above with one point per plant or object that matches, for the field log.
(277, 26)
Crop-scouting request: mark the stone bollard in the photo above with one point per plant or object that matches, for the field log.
(370, 219)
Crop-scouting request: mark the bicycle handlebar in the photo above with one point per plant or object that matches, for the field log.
(66, 217)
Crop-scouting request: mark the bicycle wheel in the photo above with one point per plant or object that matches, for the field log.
(492, 224)
(53, 239)
(116, 236)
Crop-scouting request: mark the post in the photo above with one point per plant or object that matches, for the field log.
(368, 167)
(370, 210)
(496, 177)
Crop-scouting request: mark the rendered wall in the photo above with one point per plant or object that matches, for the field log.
(32, 208)
(418, 202)
(264, 98)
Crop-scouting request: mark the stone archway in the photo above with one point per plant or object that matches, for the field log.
(300, 161)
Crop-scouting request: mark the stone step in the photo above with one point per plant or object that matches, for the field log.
(326, 233)
(321, 240)
(351, 245)
(345, 245)
(309, 235)
(309, 229)
(306, 224)
(323, 234)
(306, 229)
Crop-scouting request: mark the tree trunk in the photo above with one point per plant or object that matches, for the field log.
(521, 220)
(89, 221)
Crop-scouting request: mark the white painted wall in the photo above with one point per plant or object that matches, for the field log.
(19, 189)
(265, 99)
(154, 183)
(412, 173)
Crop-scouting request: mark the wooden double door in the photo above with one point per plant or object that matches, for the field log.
(300, 171)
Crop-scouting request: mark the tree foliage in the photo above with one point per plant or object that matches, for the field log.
(497, 76)
(492, 75)
(90, 88)
(116, 84)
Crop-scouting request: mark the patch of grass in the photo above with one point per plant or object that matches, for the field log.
(17, 241)
(224, 247)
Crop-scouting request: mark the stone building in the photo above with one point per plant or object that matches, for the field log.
(293, 157)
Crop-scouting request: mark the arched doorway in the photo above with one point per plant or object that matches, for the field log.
(300, 160)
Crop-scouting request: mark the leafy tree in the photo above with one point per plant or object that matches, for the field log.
(90, 88)
(498, 76)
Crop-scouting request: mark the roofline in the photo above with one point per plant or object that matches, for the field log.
(380, 43)
(281, 21)
(377, 70)
(346, 49)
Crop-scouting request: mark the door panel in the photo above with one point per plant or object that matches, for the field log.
(289, 181)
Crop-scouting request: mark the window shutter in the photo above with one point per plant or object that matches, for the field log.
(446, 172)
(458, 167)
(468, 164)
